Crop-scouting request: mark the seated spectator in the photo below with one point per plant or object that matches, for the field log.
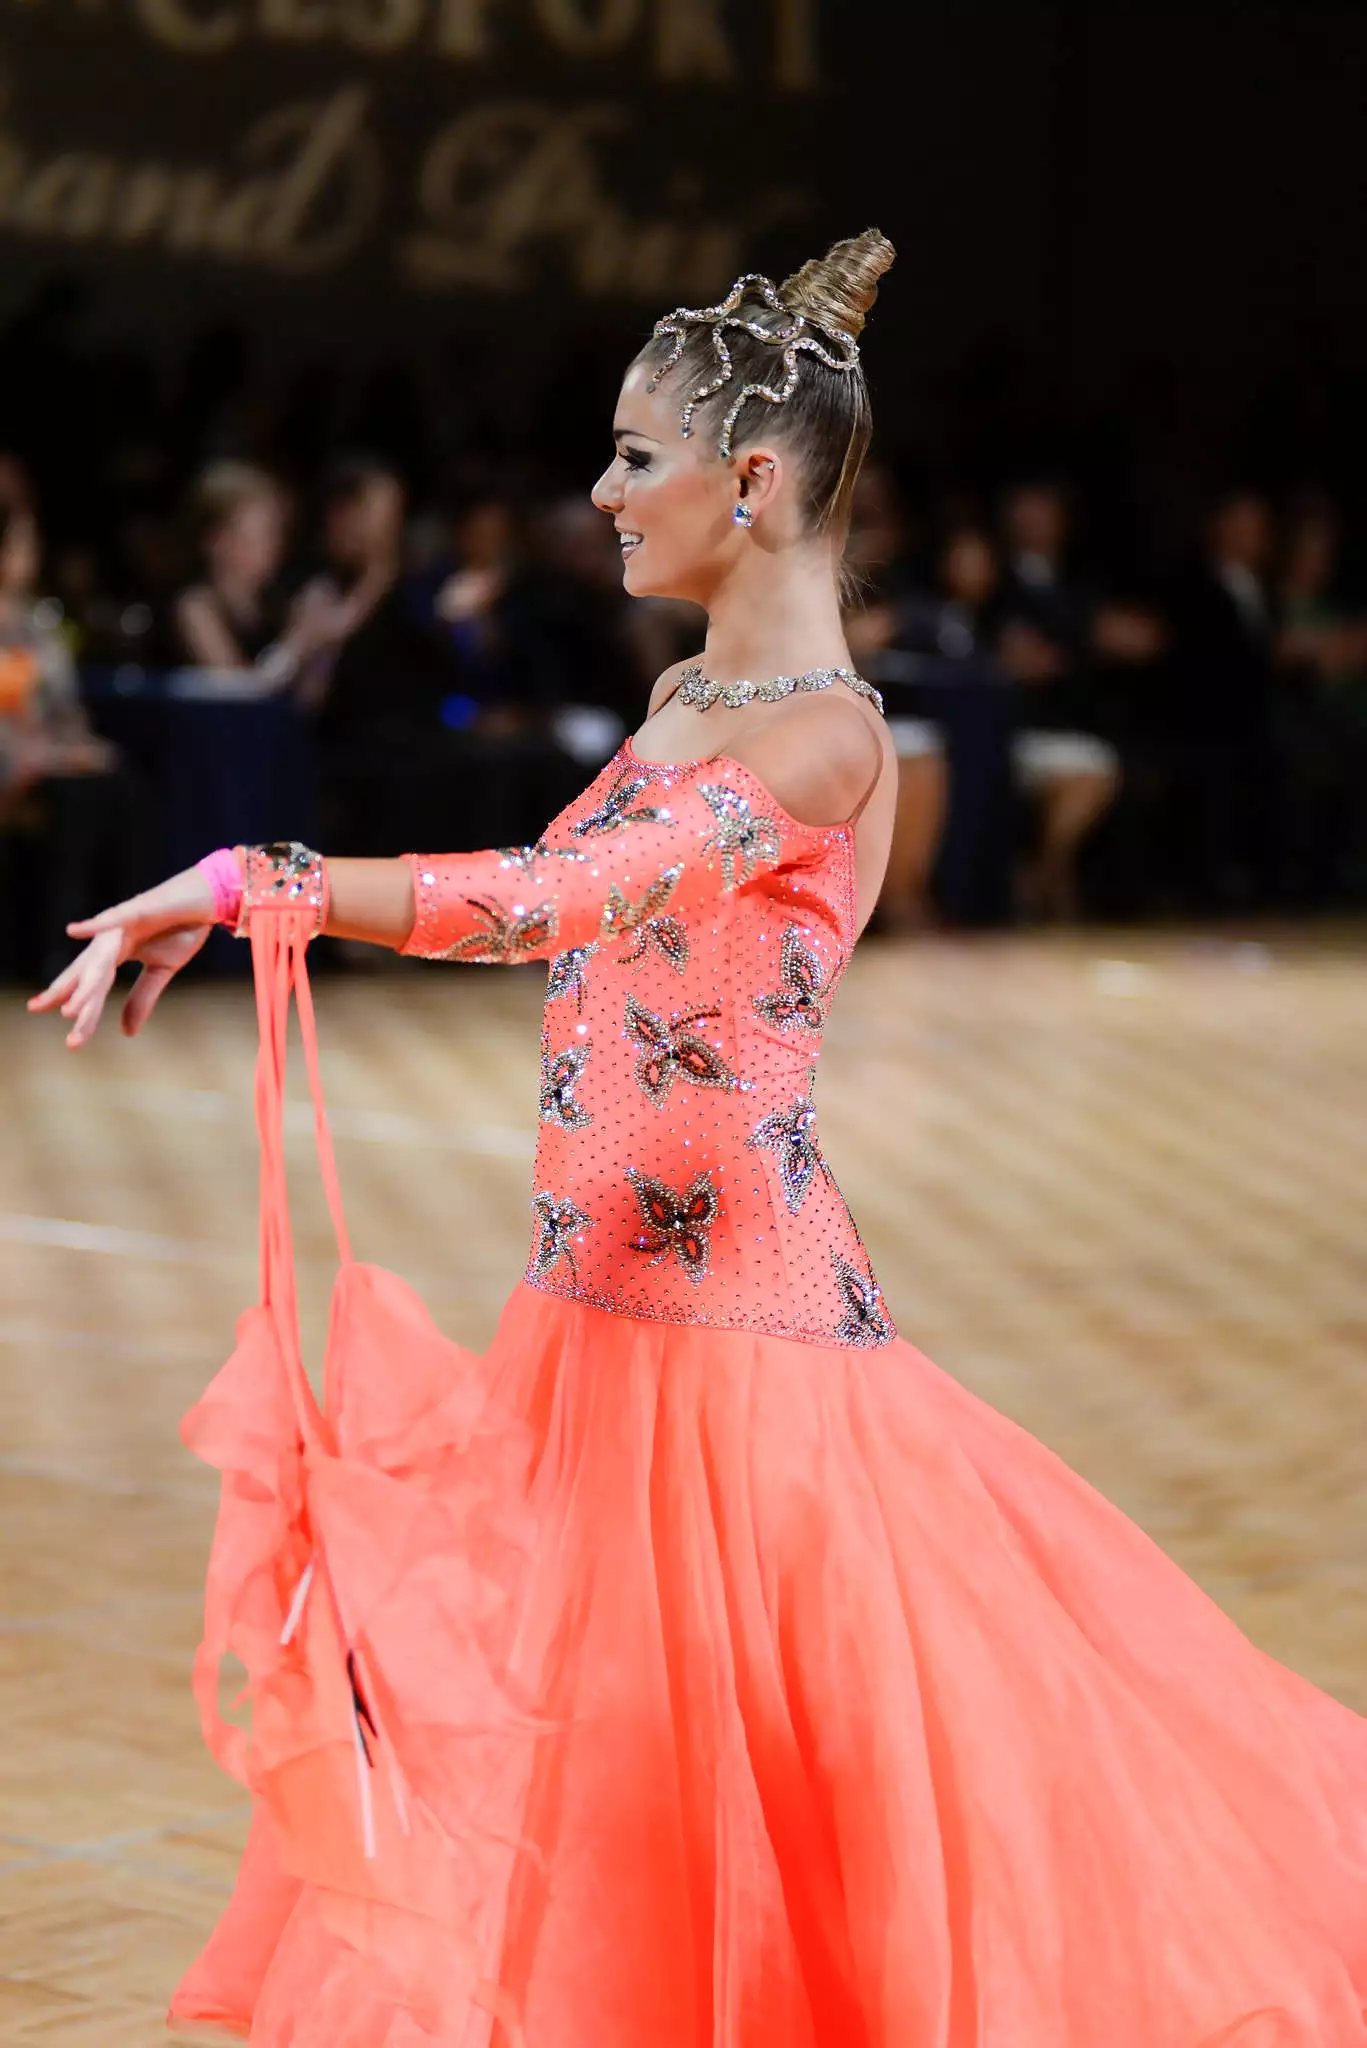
(460, 603)
(235, 618)
(1225, 636)
(1322, 638)
(1322, 711)
(1133, 704)
(376, 689)
(416, 748)
(63, 791)
(1039, 584)
(1059, 760)
(354, 680)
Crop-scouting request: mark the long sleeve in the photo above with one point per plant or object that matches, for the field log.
(651, 851)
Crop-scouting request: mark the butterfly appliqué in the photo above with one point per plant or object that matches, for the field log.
(560, 1074)
(644, 926)
(559, 1223)
(677, 1223)
(743, 841)
(801, 1000)
(790, 1134)
(504, 936)
(525, 857)
(671, 1051)
(566, 976)
(616, 810)
(864, 1321)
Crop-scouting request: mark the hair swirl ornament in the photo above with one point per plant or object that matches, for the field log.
(794, 338)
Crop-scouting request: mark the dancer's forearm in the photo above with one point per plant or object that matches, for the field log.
(370, 900)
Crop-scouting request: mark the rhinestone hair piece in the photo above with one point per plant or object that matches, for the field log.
(794, 338)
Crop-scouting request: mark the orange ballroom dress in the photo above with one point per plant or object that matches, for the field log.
(702, 1667)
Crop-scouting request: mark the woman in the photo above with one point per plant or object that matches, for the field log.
(830, 1709)
(233, 618)
(65, 797)
(1071, 774)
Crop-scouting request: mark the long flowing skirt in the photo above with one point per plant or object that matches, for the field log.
(675, 1687)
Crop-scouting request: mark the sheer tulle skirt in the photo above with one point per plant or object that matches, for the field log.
(711, 1690)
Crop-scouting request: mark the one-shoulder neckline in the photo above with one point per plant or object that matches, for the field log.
(844, 831)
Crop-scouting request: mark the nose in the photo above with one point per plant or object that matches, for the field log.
(607, 492)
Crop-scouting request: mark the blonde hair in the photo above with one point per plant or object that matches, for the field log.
(827, 422)
(222, 490)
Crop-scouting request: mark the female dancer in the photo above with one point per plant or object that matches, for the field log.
(817, 1705)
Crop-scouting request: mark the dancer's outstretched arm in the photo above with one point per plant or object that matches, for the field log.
(165, 927)
(633, 860)
(647, 848)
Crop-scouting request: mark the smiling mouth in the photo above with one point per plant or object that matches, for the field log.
(630, 542)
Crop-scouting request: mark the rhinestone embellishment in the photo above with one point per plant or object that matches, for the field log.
(697, 691)
(616, 808)
(838, 350)
(525, 857)
(742, 842)
(801, 999)
(283, 875)
(560, 1073)
(790, 1134)
(648, 930)
(864, 1321)
(671, 1051)
(558, 1224)
(566, 975)
(677, 1223)
(504, 936)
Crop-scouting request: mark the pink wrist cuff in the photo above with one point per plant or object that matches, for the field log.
(225, 872)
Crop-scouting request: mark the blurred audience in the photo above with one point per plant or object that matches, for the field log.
(1322, 664)
(970, 620)
(1225, 634)
(235, 617)
(1040, 584)
(1090, 719)
(70, 829)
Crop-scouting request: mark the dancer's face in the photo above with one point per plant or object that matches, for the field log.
(673, 500)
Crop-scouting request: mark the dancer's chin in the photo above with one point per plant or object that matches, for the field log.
(636, 578)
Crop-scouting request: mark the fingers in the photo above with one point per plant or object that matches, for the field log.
(80, 990)
(85, 1005)
(57, 991)
(116, 918)
(143, 998)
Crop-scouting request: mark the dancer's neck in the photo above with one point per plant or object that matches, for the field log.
(775, 615)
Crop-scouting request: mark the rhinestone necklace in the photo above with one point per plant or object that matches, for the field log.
(697, 691)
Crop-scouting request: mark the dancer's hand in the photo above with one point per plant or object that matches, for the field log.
(163, 928)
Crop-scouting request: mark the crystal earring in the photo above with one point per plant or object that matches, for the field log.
(742, 515)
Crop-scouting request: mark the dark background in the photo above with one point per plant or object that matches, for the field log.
(280, 232)
(1099, 208)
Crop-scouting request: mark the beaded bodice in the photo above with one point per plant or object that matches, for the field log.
(695, 935)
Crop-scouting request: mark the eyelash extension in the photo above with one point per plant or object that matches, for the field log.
(635, 459)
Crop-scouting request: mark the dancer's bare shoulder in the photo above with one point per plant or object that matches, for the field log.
(819, 756)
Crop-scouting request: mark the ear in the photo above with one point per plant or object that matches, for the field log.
(759, 475)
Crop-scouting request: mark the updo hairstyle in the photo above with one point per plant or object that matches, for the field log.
(827, 422)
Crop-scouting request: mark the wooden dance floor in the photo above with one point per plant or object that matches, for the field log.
(1114, 1184)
